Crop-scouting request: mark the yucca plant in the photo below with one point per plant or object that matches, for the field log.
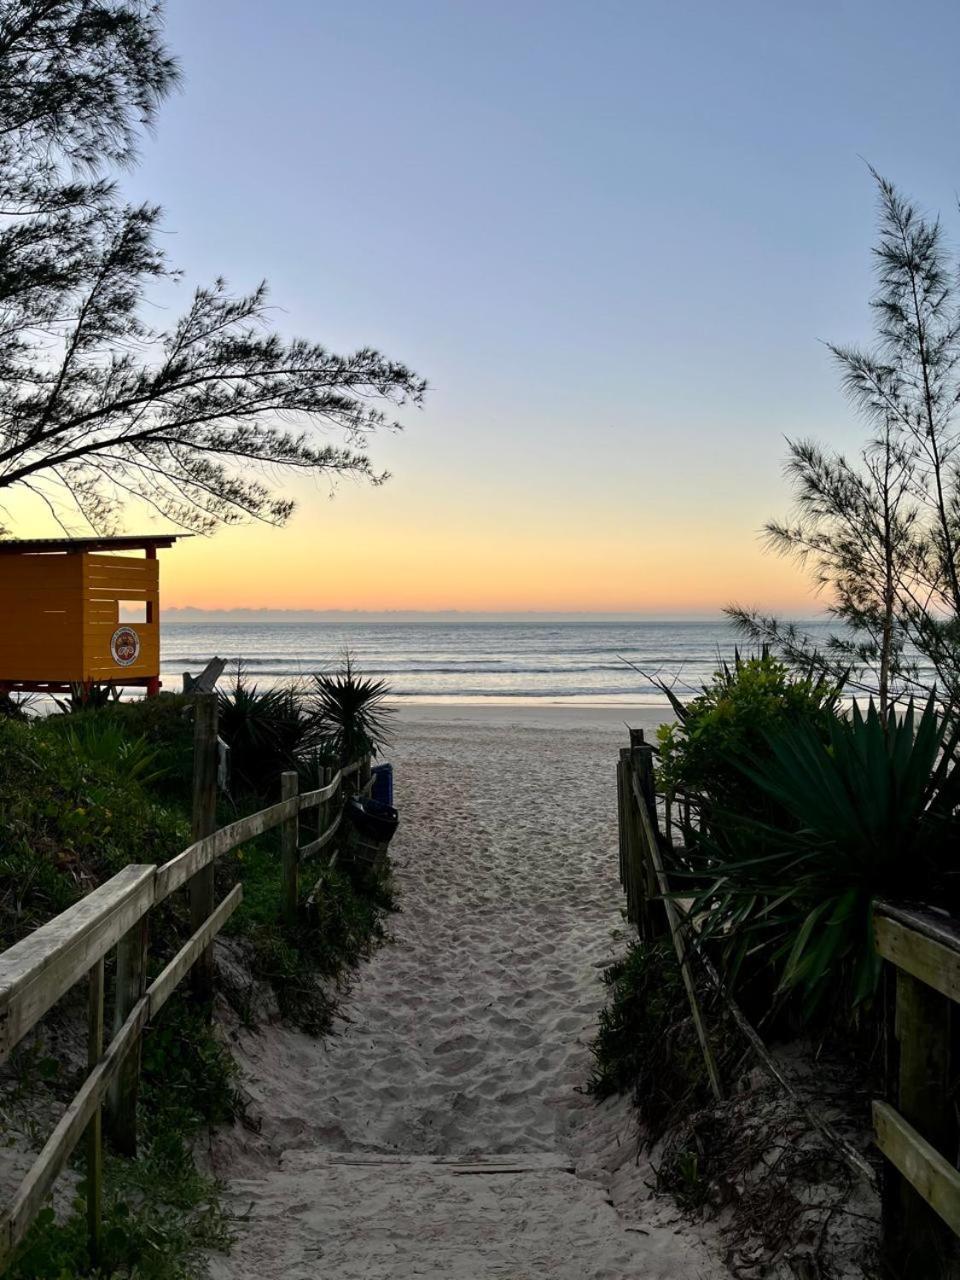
(870, 810)
(17, 706)
(88, 697)
(268, 731)
(351, 713)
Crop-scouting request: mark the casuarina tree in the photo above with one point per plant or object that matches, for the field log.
(98, 407)
(882, 531)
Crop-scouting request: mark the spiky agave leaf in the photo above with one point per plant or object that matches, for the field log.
(268, 731)
(350, 712)
(869, 811)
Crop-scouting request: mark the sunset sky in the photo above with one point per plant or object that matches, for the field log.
(613, 236)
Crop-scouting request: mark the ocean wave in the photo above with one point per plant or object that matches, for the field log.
(279, 665)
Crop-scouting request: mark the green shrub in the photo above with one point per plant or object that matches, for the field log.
(108, 744)
(67, 823)
(164, 724)
(646, 1042)
(160, 1215)
(868, 811)
(731, 721)
(302, 962)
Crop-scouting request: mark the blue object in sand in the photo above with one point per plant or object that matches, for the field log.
(382, 783)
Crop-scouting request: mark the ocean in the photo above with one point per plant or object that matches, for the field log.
(476, 661)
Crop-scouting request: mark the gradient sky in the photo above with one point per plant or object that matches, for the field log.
(612, 235)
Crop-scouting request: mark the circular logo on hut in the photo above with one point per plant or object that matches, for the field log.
(125, 646)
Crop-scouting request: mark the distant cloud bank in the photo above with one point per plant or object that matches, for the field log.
(191, 614)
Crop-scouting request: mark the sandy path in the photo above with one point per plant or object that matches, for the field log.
(464, 1037)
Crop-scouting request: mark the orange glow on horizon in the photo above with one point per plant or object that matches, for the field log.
(259, 568)
(387, 549)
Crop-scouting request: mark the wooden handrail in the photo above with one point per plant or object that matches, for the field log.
(201, 853)
(35, 1187)
(927, 1171)
(924, 947)
(57, 1150)
(308, 850)
(651, 838)
(175, 873)
(921, 945)
(310, 799)
(163, 985)
(36, 971)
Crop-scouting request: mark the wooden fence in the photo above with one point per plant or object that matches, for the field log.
(919, 1137)
(42, 967)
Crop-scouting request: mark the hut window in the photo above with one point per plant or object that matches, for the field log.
(132, 610)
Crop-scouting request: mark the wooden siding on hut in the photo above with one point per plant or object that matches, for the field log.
(58, 614)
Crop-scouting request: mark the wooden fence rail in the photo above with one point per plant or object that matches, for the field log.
(43, 966)
(920, 1137)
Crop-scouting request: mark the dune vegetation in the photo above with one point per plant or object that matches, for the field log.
(84, 794)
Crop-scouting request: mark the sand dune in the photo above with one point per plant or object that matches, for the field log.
(465, 1037)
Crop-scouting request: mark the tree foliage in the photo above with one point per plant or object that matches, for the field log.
(882, 532)
(98, 407)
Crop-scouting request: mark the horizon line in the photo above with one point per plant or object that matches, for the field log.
(263, 612)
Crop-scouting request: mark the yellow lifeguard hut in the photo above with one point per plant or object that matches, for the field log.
(60, 607)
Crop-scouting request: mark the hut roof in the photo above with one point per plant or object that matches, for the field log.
(122, 542)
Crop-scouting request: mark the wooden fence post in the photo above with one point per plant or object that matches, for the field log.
(629, 838)
(364, 774)
(916, 1240)
(202, 891)
(650, 915)
(95, 1127)
(621, 823)
(130, 984)
(289, 842)
(325, 810)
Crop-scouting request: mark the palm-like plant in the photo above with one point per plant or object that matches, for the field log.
(351, 714)
(870, 811)
(267, 730)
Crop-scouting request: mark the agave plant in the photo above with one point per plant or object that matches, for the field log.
(351, 714)
(88, 697)
(17, 706)
(870, 811)
(268, 731)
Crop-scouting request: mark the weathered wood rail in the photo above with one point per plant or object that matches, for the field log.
(43, 966)
(919, 1136)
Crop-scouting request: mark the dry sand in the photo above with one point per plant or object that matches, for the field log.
(440, 1132)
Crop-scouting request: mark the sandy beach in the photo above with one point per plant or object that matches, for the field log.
(441, 1130)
